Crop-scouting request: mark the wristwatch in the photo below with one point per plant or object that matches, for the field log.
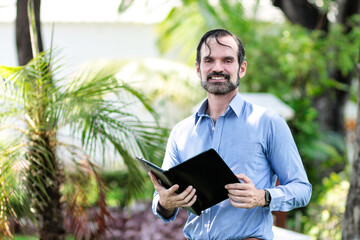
(267, 198)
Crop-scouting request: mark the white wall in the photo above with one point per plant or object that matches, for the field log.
(90, 41)
(8, 52)
(82, 42)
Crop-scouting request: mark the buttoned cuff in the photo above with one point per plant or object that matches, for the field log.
(277, 198)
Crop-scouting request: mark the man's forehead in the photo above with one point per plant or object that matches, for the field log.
(225, 41)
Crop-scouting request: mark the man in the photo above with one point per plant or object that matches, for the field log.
(255, 143)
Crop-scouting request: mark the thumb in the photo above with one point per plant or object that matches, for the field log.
(154, 180)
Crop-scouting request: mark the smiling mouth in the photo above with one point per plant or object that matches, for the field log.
(218, 77)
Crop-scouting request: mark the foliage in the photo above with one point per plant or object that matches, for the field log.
(115, 187)
(172, 87)
(117, 192)
(49, 124)
(325, 214)
(321, 152)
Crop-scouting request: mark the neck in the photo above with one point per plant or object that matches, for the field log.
(217, 104)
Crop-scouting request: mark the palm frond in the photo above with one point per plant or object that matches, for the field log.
(179, 25)
(13, 193)
(102, 103)
(172, 88)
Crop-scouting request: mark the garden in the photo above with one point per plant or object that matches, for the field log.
(67, 145)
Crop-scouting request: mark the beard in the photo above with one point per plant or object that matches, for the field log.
(220, 88)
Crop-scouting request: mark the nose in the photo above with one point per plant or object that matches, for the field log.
(218, 67)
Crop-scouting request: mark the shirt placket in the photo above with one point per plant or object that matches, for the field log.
(217, 132)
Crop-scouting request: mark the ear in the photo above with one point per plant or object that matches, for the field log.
(242, 69)
(198, 69)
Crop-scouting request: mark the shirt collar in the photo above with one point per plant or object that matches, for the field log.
(235, 105)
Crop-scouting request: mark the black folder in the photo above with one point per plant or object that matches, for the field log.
(206, 172)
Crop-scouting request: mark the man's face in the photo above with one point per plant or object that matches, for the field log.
(219, 69)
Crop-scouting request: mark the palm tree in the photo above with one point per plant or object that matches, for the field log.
(52, 126)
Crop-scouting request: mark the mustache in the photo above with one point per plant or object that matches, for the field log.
(218, 74)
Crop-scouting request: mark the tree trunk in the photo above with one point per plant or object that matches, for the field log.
(331, 104)
(45, 174)
(351, 222)
(45, 190)
(303, 13)
(23, 43)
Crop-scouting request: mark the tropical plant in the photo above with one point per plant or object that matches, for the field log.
(51, 126)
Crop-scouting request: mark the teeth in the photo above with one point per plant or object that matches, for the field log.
(217, 78)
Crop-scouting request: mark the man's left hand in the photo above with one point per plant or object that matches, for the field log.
(245, 194)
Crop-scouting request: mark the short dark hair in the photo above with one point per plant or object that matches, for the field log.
(216, 33)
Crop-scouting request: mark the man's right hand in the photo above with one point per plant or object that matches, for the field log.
(169, 199)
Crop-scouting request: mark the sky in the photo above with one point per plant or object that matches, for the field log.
(141, 11)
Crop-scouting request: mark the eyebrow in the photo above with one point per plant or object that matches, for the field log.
(229, 57)
(226, 57)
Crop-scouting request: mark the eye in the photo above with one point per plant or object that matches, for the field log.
(208, 60)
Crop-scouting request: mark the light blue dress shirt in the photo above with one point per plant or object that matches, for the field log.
(253, 141)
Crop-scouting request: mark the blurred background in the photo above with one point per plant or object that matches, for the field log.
(302, 59)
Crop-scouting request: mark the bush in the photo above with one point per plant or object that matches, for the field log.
(324, 219)
(117, 190)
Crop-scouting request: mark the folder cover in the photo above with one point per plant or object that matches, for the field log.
(206, 172)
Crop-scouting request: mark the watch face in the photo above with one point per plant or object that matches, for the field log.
(267, 197)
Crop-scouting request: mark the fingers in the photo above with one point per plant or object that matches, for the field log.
(242, 199)
(240, 204)
(240, 186)
(187, 198)
(243, 177)
(169, 199)
(245, 202)
(245, 194)
(188, 191)
(191, 202)
(242, 196)
(159, 187)
(172, 200)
